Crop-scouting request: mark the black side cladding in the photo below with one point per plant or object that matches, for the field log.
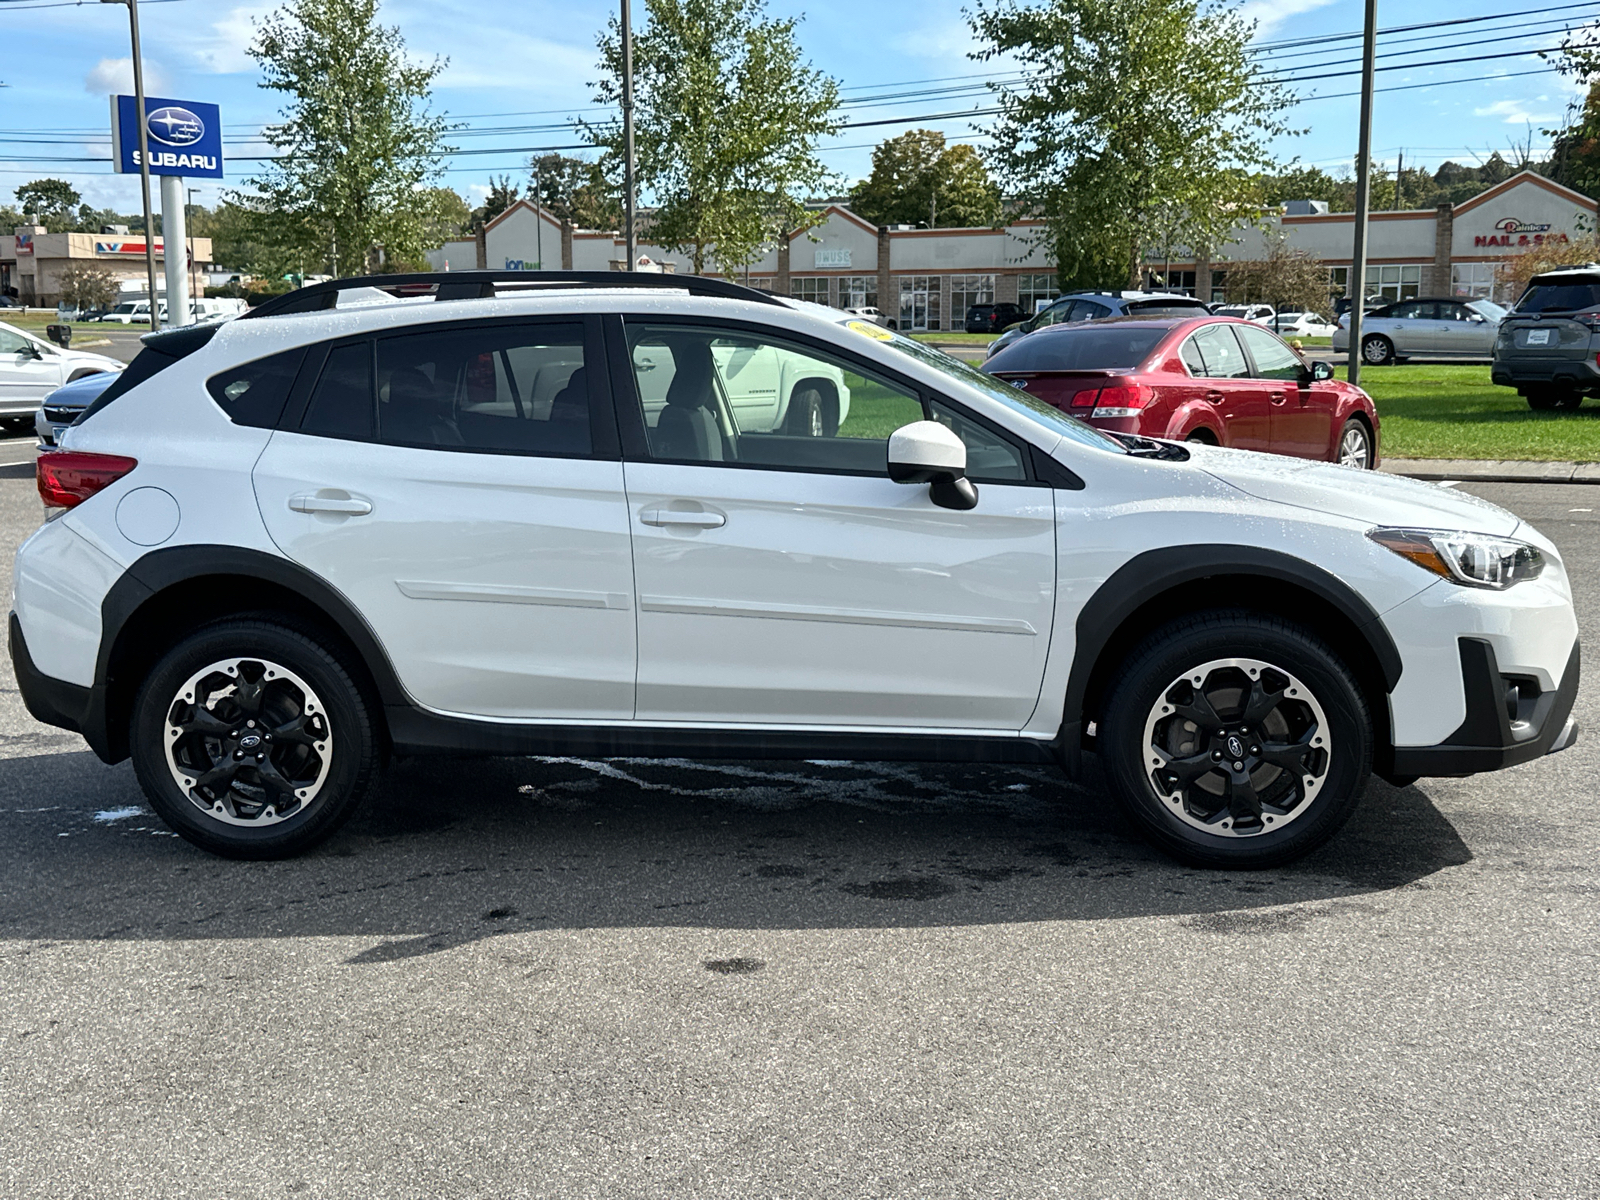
(160, 351)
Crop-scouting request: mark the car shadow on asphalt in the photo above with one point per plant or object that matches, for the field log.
(454, 851)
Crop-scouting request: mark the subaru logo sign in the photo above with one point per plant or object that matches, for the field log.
(175, 126)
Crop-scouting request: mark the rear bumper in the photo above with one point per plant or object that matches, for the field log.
(53, 701)
(1522, 372)
(1488, 739)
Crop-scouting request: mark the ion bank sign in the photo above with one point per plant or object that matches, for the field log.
(184, 137)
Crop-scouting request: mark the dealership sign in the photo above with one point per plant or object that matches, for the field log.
(1512, 232)
(184, 137)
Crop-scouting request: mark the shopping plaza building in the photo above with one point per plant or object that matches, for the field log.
(927, 278)
(31, 262)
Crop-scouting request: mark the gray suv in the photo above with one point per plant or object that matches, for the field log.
(1091, 306)
(1548, 343)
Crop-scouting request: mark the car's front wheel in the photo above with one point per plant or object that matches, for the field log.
(1355, 445)
(1235, 739)
(1377, 351)
(251, 740)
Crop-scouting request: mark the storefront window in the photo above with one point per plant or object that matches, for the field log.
(967, 290)
(858, 291)
(1475, 280)
(809, 288)
(1339, 281)
(1033, 288)
(1393, 283)
(1219, 286)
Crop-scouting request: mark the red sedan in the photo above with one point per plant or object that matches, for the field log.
(1200, 379)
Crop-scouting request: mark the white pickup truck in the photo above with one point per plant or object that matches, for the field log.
(769, 389)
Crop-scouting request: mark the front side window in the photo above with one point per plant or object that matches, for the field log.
(12, 343)
(1273, 359)
(498, 388)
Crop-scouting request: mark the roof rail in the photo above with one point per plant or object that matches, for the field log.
(475, 285)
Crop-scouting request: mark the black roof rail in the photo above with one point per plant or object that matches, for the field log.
(475, 285)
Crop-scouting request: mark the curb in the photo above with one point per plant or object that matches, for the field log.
(1492, 470)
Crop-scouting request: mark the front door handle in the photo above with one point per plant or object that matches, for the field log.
(348, 506)
(678, 518)
(1215, 397)
(1276, 397)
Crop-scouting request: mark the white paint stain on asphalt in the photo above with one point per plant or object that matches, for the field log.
(109, 816)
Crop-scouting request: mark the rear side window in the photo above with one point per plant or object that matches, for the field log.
(255, 393)
(519, 389)
(341, 404)
(1079, 347)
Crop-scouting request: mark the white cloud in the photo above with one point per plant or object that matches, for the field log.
(114, 76)
(1515, 112)
(1269, 14)
(222, 49)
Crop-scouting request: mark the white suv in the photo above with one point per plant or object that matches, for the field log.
(445, 516)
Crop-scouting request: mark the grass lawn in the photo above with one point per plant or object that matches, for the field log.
(35, 323)
(954, 338)
(1433, 410)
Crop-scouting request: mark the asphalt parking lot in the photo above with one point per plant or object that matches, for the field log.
(530, 978)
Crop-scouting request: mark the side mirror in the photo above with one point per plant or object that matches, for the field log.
(927, 452)
(1321, 371)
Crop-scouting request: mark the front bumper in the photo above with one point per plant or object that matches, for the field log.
(1489, 737)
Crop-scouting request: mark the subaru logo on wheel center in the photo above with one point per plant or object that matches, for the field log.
(1235, 746)
(250, 741)
(175, 126)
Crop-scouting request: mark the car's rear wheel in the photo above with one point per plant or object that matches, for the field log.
(1355, 445)
(1543, 399)
(805, 417)
(1202, 437)
(1569, 400)
(1236, 740)
(251, 740)
(1377, 351)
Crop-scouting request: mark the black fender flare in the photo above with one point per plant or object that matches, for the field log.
(1148, 575)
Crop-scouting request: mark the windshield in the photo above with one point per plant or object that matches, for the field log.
(1013, 398)
(1488, 308)
(1560, 296)
(1232, 310)
(1107, 347)
(1165, 308)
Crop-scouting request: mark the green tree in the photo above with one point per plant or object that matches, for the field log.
(1127, 108)
(727, 118)
(1285, 278)
(1575, 153)
(576, 190)
(88, 286)
(50, 202)
(917, 180)
(357, 144)
(502, 195)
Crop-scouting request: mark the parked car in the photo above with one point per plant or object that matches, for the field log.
(873, 315)
(1092, 306)
(1259, 314)
(992, 318)
(31, 368)
(1294, 322)
(287, 546)
(1428, 328)
(1218, 380)
(10, 302)
(1548, 345)
(63, 406)
(768, 389)
(133, 312)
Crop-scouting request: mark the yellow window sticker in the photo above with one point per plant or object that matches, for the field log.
(875, 332)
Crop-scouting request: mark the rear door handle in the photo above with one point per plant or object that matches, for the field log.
(351, 506)
(672, 517)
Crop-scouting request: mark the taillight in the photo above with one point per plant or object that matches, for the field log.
(1085, 398)
(1123, 401)
(69, 477)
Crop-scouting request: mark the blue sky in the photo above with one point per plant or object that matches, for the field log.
(520, 63)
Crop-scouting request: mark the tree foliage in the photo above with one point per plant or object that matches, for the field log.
(1127, 109)
(88, 286)
(1413, 188)
(575, 190)
(1285, 278)
(727, 118)
(1516, 269)
(502, 195)
(357, 144)
(917, 180)
(50, 202)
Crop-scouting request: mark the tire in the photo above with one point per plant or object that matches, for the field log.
(1355, 445)
(1260, 815)
(1201, 437)
(1377, 351)
(326, 740)
(1569, 400)
(806, 416)
(16, 424)
(1543, 399)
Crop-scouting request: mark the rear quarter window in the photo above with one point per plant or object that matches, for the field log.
(255, 393)
(1560, 297)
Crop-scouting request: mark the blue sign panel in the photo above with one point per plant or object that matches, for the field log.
(184, 136)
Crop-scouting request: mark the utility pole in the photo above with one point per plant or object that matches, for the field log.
(1399, 179)
(144, 162)
(1358, 257)
(538, 214)
(188, 226)
(627, 138)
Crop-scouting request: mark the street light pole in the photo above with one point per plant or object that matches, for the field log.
(627, 138)
(1358, 256)
(188, 228)
(144, 161)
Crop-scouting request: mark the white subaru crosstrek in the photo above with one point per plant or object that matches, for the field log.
(418, 514)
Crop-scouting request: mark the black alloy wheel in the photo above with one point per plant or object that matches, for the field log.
(251, 740)
(1236, 739)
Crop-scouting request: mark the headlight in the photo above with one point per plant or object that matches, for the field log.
(1474, 559)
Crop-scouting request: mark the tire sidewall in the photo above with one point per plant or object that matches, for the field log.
(1167, 656)
(351, 769)
(1357, 423)
(1386, 357)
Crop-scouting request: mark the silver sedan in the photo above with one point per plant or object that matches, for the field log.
(1447, 328)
